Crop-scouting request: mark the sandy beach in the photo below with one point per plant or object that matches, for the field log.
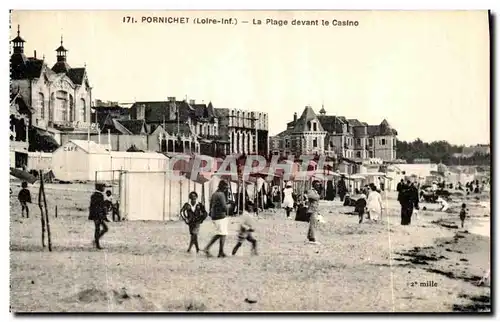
(429, 266)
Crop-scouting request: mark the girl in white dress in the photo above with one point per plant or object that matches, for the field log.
(288, 199)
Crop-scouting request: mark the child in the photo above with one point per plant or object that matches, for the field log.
(111, 206)
(24, 198)
(360, 207)
(463, 214)
(288, 199)
(193, 213)
(108, 201)
(245, 233)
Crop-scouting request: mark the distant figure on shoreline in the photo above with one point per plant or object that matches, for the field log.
(463, 214)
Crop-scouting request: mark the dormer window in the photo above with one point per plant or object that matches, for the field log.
(315, 126)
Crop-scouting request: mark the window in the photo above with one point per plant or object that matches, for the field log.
(358, 141)
(331, 144)
(315, 127)
(287, 143)
(41, 100)
(383, 142)
(358, 154)
(370, 154)
(315, 143)
(370, 142)
(83, 110)
(71, 116)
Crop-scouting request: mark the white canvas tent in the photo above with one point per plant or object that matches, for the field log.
(79, 160)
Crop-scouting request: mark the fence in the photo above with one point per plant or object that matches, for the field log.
(109, 176)
(151, 195)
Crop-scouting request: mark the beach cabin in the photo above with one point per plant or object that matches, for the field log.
(79, 160)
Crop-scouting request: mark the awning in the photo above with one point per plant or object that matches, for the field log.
(40, 140)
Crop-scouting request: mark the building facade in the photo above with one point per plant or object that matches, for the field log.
(20, 116)
(246, 131)
(182, 126)
(60, 96)
(336, 136)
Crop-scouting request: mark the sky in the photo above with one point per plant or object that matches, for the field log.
(426, 72)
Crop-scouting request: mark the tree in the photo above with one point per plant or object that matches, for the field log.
(438, 152)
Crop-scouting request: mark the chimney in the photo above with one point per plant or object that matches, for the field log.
(295, 117)
(171, 99)
(35, 54)
(141, 112)
(191, 102)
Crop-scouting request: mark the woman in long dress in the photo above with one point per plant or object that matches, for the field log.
(374, 203)
(288, 199)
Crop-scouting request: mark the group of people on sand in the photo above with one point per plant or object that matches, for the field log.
(193, 213)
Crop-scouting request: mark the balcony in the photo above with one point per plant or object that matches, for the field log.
(64, 126)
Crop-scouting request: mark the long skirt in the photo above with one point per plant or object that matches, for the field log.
(406, 213)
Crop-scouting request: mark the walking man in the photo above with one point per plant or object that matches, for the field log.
(97, 213)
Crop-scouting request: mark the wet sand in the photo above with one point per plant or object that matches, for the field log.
(372, 267)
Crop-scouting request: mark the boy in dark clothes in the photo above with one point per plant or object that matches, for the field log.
(97, 213)
(245, 233)
(193, 213)
(463, 214)
(360, 207)
(24, 198)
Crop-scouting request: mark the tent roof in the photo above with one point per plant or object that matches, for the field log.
(90, 146)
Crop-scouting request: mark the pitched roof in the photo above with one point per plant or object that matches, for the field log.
(380, 130)
(307, 116)
(22, 67)
(90, 146)
(134, 126)
(204, 111)
(354, 122)
(157, 111)
(76, 75)
(284, 133)
(173, 128)
(18, 39)
(61, 67)
(61, 48)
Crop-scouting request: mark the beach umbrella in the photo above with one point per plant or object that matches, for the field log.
(23, 175)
